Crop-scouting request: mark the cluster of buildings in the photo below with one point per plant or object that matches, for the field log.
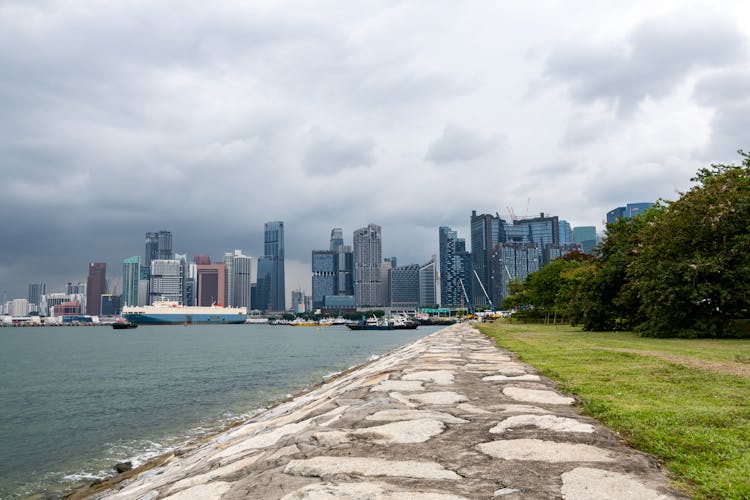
(357, 276)
(343, 276)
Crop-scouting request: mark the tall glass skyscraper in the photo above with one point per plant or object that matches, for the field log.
(271, 295)
(368, 255)
(486, 232)
(131, 274)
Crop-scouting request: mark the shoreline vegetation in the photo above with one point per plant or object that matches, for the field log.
(684, 401)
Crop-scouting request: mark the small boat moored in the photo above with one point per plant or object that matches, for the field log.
(123, 325)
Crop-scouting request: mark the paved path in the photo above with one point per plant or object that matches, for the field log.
(450, 416)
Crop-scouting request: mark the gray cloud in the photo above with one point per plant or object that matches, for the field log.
(130, 117)
(655, 58)
(331, 153)
(459, 144)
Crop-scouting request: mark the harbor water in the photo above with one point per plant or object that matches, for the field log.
(75, 401)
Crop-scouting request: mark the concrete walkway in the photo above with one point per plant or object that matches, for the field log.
(450, 416)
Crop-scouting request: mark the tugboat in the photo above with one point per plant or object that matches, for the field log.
(123, 324)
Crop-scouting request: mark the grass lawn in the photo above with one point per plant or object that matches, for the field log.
(685, 401)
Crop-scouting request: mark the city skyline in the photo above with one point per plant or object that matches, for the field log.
(215, 120)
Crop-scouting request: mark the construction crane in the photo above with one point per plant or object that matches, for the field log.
(489, 300)
(466, 295)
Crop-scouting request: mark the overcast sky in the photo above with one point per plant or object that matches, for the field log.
(210, 118)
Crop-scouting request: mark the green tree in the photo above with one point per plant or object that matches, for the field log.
(692, 268)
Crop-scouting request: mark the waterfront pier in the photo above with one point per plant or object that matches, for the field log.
(450, 416)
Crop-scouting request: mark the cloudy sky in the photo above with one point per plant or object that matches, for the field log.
(209, 118)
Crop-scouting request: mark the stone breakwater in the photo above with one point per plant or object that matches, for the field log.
(450, 416)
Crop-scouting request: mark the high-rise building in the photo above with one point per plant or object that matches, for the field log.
(166, 281)
(201, 259)
(542, 230)
(367, 261)
(629, 210)
(566, 233)
(131, 273)
(239, 277)
(270, 281)
(332, 273)
(211, 284)
(337, 239)
(428, 283)
(96, 285)
(152, 249)
(165, 245)
(511, 262)
(324, 279)
(384, 297)
(585, 236)
(110, 305)
(36, 290)
(486, 232)
(464, 271)
(404, 287)
(450, 287)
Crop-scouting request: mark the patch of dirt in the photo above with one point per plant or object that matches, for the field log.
(714, 366)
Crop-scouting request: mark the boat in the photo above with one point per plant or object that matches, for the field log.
(122, 324)
(303, 322)
(172, 313)
(396, 323)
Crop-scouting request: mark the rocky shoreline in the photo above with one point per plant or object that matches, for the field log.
(449, 416)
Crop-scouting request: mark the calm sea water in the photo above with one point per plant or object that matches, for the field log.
(74, 401)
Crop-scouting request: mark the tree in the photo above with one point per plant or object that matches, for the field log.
(692, 272)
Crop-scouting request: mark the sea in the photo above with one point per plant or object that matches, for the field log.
(74, 401)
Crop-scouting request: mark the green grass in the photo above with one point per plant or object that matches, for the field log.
(695, 420)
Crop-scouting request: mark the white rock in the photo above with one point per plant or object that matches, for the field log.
(325, 466)
(397, 415)
(406, 432)
(505, 491)
(548, 422)
(544, 451)
(438, 398)
(519, 378)
(398, 385)
(537, 396)
(362, 491)
(208, 491)
(585, 483)
(469, 408)
(262, 440)
(440, 377)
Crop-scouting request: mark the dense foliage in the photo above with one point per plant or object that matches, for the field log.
(680, 269)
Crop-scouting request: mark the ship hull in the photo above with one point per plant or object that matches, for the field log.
(182, 319)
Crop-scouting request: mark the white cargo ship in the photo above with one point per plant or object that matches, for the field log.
(172, 313)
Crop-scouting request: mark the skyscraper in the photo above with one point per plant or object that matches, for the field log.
(270, 290)
(324, 279)
(36, 290)
(166, 281)
(566, 233)
(586, 237)
(152, 249)
(165, 245)
(542, 230)
(96, 285)
(337, 239)
(629, 210)
(404, 283)
(131, 272)
(428, 296)
(486, 232)
(211, 285)
(367, 260)
(450, 288)
(332, 272)
(239, 275)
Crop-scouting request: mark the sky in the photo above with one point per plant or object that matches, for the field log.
(210, 118)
